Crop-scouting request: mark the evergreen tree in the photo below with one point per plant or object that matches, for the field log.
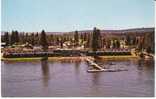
(114, 44)
(6, 38)
(118, 44)
(88, 36)
(16, 37)
(36, 39)
(140, 45)
(22, 38)
(128, 40)
(26, 37)
(57, 40)
(96, 39)
(43, 41)
(61, 42)
(12, 38)
(76, 38)
(85, 36)
(81, 36)
(32, 39)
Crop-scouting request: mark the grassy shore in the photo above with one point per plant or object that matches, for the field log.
(21, 59)
(68, 58)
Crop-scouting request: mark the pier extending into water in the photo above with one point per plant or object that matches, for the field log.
(99, 68)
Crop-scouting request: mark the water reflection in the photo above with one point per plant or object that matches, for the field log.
(149, 68)
(45, 72)
(77, 67)
(74, 80)
(140, 64)
(145, 69)
(145, 64)
(95, 78)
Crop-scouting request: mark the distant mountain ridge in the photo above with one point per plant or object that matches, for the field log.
(136, 30)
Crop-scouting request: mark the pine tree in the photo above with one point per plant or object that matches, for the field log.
(61, 41)
(36, 39)
(12, 38)
(128, 39)
(76, 38)
(43, 41)
(6, 38)
(96, 39)
(32, 39)
(16, 37)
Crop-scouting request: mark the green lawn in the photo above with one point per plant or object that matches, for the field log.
(21, 59)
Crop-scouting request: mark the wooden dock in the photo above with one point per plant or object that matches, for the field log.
(99, 68)
(93, 64)
(106, 70)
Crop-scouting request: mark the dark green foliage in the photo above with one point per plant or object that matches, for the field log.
(114, 44)
(141, 44)
(117, 44)
(6, 38)
(91, 41)
(14, 37)
(134, 41)
(96, 39)
(76, 38)
(26, 38)
(22, 38)
(61, 41)
(149, 50)
(128, 40)
(43, 41)
(32, 40)
(36, 38)
(85, 37)
(81, 36)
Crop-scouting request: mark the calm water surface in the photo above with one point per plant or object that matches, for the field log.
(70, 78)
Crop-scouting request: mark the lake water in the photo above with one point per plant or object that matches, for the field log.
(70, 78)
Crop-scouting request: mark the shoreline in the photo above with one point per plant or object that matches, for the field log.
(69, 58)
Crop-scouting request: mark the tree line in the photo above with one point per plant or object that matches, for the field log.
(94, 40)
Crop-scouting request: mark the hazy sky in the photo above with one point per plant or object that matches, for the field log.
(69, 15)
